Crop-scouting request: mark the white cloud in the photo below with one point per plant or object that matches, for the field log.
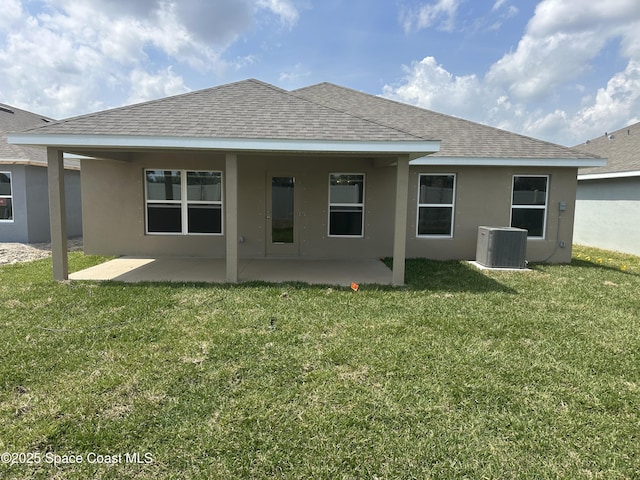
(619, 100)
(283, 8)
(442, 13)
(145, 85)
(498, 4)
(11, 11)
(294, 75)
(59, 60)
(428, 85)
(560, 41)
(498, 20)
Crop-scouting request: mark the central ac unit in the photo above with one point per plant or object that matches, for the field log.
(501, 247)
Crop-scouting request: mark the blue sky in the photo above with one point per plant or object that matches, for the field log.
(559, 70)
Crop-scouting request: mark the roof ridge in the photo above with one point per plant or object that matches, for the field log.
(27, 112)
(148, 102)
(359, 117)
(631, 126)
(415, 107)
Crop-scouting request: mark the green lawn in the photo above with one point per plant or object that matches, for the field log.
(461, 374)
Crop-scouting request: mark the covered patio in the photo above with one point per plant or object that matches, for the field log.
(213, 270)
(143, 168)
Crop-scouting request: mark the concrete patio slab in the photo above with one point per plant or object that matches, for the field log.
(479, 266)
(189, 269)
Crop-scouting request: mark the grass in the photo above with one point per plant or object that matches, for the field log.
(461, 374)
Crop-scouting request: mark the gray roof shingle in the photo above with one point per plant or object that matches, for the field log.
(251, 109)
(459, 138)
(621, 148)
(15, 120)
(246, 109)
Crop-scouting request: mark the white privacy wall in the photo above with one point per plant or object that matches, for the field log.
(608, 214)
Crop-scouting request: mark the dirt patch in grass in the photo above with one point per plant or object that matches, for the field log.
(11, 253)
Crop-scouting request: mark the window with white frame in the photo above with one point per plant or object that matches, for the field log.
(436, 198)
(529, 203)
(6, 197)
(346, 204)
(183, 202)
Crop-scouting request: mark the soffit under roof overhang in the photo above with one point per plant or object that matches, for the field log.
(119, 146)
(437, 160)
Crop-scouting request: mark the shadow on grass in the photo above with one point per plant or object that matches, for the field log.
(420, 274)
(451, 276)
(612, 268)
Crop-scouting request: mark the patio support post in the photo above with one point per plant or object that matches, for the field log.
(57, 214)
(400, 228)
(231, 208)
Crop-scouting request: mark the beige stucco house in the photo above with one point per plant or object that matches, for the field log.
(251, 170)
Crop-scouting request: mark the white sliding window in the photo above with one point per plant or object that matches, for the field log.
(183, 202)
(529, 204)
(346, 204)
(436, 198)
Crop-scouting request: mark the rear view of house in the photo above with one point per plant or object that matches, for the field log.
(248, 170)
(24, 199)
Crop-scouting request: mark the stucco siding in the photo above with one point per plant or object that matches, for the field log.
(483, 197)
(73, 203)
(37, 196)
(608, 214)
(114, 208)
(31, 205)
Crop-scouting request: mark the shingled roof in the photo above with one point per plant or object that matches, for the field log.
(257, 115)
(246, 109)
(14, 120)
(621, 148)
(459, 138)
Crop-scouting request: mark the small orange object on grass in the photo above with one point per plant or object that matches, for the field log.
(354, 286)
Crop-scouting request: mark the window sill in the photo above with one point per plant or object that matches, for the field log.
(172, 234)
(433, 237)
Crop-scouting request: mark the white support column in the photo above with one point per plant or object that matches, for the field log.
(400, 224)
(231, 216)
(57, 214)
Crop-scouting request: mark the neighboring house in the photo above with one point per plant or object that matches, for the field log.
(250, 170)
(608, 198)
(24, 199)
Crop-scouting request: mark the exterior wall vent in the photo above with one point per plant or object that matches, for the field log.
(501, 247)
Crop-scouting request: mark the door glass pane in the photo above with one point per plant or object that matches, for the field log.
(282, 209)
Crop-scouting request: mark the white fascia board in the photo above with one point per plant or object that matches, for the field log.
(510, 162)
(604, 176)
(414, 148)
